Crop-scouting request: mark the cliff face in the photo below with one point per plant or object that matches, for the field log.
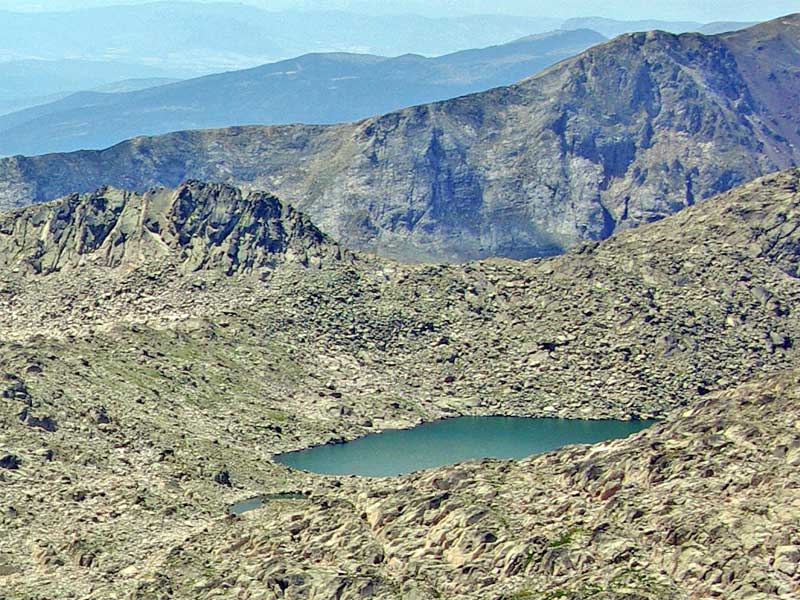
(196, 226)
(624, 134)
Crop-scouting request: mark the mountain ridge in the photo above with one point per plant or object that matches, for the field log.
(207, 37)
(623, 134)
(312, 88)
(615, 27)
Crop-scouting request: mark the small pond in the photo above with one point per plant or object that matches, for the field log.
(451, 441)
(239, 508)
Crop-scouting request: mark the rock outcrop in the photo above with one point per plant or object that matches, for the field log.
(623, 134)
(197, 226)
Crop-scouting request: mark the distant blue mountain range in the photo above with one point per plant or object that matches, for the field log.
(314, 88)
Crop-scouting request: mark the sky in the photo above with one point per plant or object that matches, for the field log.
(691, 10)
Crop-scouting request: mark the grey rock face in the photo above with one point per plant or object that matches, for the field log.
(200, 225)
(223, 478)
(47, 424)
(624, 134)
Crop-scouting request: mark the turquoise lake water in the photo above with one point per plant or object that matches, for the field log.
(451, 441)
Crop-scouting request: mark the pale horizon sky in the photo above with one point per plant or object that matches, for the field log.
(688, 10)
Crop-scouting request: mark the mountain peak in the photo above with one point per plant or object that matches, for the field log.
(195, 226)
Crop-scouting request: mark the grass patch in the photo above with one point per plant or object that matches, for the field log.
(278, 416)
(566, 538)
(640, 581)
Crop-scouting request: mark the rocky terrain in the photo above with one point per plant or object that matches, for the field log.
(198, 227)
(703, 507)
(623, 134)
(156, 351)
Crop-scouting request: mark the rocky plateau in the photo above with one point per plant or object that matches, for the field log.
(157, 348)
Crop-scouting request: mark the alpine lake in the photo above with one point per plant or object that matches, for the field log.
(445, 442)
(449, 441)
